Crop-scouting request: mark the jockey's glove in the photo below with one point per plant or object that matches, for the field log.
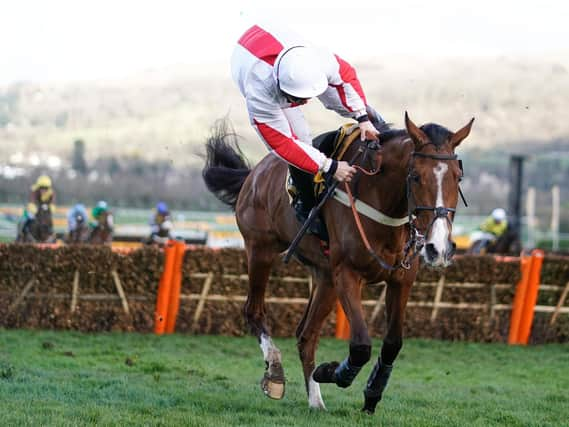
(367, 130)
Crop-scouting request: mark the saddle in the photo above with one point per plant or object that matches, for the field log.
(334, 144)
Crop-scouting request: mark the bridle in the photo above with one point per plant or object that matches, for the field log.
(416, 239)
(439, 212)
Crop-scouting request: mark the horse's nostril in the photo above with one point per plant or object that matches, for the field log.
(431, 250)
(452, 250)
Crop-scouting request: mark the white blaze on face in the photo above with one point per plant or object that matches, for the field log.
(440, 231)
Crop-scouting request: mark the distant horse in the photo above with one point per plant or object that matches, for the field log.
(418, 180)
(40, 229)
(102, 232)
(81, 232)
(507, 243)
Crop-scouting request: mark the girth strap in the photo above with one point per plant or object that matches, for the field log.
(369, 211)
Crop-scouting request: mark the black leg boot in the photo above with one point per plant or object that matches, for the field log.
(376, 384)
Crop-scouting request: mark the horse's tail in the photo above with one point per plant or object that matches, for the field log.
(225, 167)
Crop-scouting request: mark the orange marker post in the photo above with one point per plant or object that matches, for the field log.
(519, 299)
(531, 296)
(163, 296)
(175, 288)
(342, 324)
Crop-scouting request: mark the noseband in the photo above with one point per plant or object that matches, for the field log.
(441, 212)
(416, 239)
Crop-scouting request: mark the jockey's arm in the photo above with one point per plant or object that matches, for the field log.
(486, 226)
(345, 94)
(493, 227)
(71, 222)
(275, 131)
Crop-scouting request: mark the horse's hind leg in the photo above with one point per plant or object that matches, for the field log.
(260, 259)
(321, 302)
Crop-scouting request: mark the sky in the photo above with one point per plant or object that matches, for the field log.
(61, 40)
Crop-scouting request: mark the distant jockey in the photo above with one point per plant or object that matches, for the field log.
(41, 194)
(161, 226)
(496, 223)
(486, 236)
(76, 216)
(97, 213)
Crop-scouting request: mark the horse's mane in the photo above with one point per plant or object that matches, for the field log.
(387, 133)
(437, 134)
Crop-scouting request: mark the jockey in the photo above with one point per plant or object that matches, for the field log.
(76, 216)
(161, 224)
(41, 193)
(100, 208)
(496, 223)
(277, 71)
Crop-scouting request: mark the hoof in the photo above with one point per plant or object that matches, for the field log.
(273, 382)
(272, 389)
(325, 373)
(370, 403)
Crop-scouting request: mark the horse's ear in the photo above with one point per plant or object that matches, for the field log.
(416, 134)
(459, 135)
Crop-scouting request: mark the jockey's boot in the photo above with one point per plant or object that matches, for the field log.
(304, 201)
(27, 225)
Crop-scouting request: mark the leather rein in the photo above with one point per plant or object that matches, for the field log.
(416, 239)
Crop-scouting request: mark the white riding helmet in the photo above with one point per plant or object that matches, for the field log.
(298, 72)
(499, 214)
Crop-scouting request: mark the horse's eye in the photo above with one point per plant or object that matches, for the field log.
(416, 178)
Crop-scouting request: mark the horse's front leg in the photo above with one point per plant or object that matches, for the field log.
(395, 303)
(348, 287)
(322, 301)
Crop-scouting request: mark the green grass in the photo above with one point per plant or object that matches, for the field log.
(68, 378)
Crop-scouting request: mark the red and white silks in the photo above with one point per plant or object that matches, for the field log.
(280, 125)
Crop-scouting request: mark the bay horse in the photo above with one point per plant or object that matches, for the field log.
(506, 244)
(102, 232)
(40, 229)
(418, 180)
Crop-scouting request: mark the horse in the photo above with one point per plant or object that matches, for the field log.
(81, 232)
(413, 174)
(507, 243)
(486, 243)
(40, 229)
(102, 232)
